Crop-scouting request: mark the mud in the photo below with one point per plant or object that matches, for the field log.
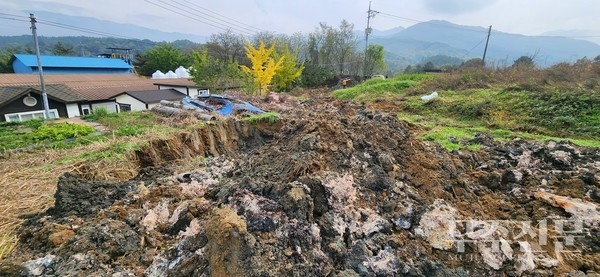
(333, 189)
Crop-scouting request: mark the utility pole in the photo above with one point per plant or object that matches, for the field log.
(486, 45)
(39, 63)
(370, 13)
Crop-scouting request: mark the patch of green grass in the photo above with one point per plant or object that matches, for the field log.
(270, 117)
(452, 138)
(59, 132)
(411, 118)
(453, 134)
(37, 134)
(142, 120)
(128, 130)
(549, 113)
(34, 123)
(374, 89)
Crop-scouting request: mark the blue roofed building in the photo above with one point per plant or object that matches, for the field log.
(26, 63)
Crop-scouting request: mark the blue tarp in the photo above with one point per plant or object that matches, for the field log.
(220, 104)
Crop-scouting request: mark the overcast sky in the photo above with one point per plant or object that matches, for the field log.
(201, 17)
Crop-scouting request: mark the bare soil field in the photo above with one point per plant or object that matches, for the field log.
(330, 189)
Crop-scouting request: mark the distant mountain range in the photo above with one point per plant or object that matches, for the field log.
(404, 46)
(423, 40)
(122, 30)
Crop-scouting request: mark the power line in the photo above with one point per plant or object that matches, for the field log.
(214, 18)
(13, 15)
(15, 19)
(227, 20)
(80, 29)
(193, 18)
(64, 26)
(479, 43)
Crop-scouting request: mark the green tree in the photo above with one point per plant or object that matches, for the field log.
(60, 49)
(5, 56)
(375, 60)
(164, 57)
(428, 66)
(315, 75)
(473, 63)
(524, 61)
(213, 73)
(263, 66)
(290, 70)
(205, 69)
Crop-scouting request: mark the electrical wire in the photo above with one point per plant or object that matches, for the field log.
(228, 18)
(81, 29)
(61, 25)
(15, 19)
(224, 22)
(479, 43)
(195, 19)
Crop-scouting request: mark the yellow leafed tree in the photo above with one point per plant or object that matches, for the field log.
(264, 67)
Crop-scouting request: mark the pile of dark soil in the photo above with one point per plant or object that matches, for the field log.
(333, 189)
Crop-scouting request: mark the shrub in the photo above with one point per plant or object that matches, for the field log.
(34, 123)
(128, 130)
(315, 76)
(97, 114)
(59, 132)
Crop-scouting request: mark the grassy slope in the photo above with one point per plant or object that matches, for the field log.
(503, 104)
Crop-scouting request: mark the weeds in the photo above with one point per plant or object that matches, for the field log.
(374, 89)
(269, 117)
(97, 114)
(49, 135)
(554, 103)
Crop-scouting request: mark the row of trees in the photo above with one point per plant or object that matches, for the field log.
(309, 60)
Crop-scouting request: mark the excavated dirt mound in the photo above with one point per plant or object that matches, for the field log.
(332, 189)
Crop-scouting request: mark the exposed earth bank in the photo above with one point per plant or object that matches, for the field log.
(331, 189)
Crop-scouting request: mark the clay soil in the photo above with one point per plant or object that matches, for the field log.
(331, 189)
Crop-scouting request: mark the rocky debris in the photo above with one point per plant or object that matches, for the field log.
(332, 190)
(587, 212)
(438, 224)
(38, 267)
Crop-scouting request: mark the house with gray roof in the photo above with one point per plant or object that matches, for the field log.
(93, 91)
(20, 103)
(80, 94)
(145, 99)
